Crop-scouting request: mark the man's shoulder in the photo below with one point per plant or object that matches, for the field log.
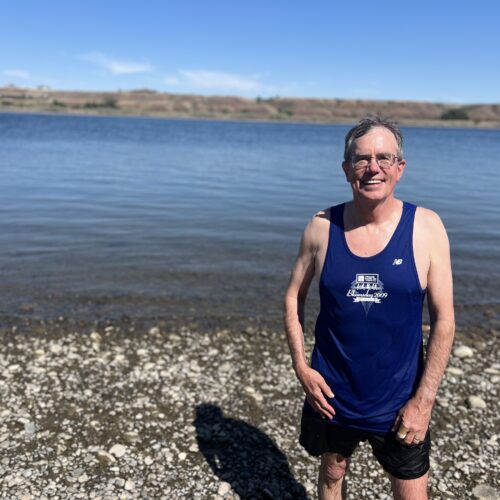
(429, 229)
(317, 228)
(325, 215)
(428, 220)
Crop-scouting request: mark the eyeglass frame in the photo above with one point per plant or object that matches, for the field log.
(377, 160)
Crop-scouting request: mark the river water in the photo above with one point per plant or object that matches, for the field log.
(105, 216)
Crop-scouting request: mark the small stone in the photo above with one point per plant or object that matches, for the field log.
(29, 428)
(194, 448)
(83, 478)
(225, 367)
(223, 488)
(55, 349)
(492, 371)
(131, 437)
(476, 402)
(148, 460)
(442, 487)
(105, 457)
(310, 486)
(454, 371)
(182, 456)
(120, 482)
(463, 352)
(129, 485)
(493, 439)
(95, 337)
(154, 331)
(484, 492)
(118, 450)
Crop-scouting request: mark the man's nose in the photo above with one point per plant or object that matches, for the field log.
(373, 165)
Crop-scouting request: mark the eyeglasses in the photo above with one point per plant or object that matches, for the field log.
(384, 161)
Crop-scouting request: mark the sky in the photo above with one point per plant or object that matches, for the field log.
(439, 51)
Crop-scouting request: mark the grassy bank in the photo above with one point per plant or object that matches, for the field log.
(155, 104)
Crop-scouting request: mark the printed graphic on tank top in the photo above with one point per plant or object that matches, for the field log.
(368, 335)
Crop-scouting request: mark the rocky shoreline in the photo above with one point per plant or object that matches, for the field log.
(147, 409)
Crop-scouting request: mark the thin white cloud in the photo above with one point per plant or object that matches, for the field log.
(117, 67)
(218, 81)
(19, 74)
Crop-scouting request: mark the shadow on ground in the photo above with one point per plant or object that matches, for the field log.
(244, 456)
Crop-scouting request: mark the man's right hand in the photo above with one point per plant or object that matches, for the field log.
(316, 388)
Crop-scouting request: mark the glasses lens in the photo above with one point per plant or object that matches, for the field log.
(385, 160)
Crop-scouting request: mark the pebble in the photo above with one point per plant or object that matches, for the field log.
(463, 352)
(129, 485)
(223, 488)
(120, 482)
(476, 402)
(105, 457)
(442, 487)
(485, 492)
(83, 478)
(492, 371)
(131, 437)
(55, 349)
(96, 395)
(95, 337)
(118, 450)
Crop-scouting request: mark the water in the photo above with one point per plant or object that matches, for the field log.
(111, 216)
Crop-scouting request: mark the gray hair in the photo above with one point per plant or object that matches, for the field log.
(364, 126)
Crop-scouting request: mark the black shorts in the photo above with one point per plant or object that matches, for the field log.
(318, 436)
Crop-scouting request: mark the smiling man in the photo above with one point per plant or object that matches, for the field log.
(375, 258)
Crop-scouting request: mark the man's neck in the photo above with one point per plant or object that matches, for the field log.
(364, 212)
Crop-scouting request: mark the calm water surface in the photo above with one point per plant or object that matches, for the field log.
(110, 216)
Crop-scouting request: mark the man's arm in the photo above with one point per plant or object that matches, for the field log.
(413, 419)
(312, 382)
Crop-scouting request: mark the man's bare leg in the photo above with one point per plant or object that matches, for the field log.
(331, 481)
(409, 489)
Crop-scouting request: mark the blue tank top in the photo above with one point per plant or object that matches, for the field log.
(368, 335)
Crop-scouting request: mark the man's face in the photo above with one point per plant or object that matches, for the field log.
(373, 182)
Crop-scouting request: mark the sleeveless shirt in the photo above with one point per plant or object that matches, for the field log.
(368, 334)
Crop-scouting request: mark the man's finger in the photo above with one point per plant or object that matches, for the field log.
(402, 431)
(410, 436)
(326, 390)
(396, 424)
(323, 404)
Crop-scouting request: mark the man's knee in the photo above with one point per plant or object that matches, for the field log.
(333, 467)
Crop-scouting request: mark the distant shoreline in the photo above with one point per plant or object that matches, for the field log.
(151, 104)
(408, 123)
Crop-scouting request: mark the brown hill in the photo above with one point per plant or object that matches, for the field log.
(144, 102)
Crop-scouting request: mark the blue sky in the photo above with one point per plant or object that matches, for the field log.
(441, 50)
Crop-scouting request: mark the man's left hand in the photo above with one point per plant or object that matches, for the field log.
(412, 422)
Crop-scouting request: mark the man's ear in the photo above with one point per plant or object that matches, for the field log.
(401, 169)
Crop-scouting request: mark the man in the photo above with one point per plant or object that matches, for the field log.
(375, 258)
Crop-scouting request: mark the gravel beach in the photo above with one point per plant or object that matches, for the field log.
(148, 409)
